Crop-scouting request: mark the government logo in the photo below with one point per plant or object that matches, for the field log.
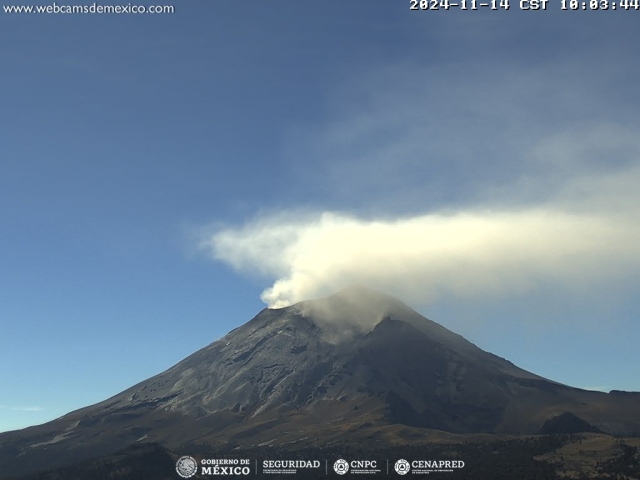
(186, 466)
(402, 467)
(341, 466)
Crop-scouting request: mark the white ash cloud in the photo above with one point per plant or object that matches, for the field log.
(467, 253)
(458, 195)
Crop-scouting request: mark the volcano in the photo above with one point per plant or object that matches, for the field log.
(358, 365)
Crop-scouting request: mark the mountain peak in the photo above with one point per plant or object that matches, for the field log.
(354, 307)
(332, 365)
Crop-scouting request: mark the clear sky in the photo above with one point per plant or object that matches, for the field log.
(159, 173)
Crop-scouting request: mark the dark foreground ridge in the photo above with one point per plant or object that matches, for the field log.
(526, 458)
(355, 367)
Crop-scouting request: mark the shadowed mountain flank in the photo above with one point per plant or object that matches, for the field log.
(567, 422)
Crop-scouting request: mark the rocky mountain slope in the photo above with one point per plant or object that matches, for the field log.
(358, 365)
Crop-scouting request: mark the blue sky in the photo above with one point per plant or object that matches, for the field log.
(145, 159)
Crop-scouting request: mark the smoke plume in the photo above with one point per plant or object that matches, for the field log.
(467, 253)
